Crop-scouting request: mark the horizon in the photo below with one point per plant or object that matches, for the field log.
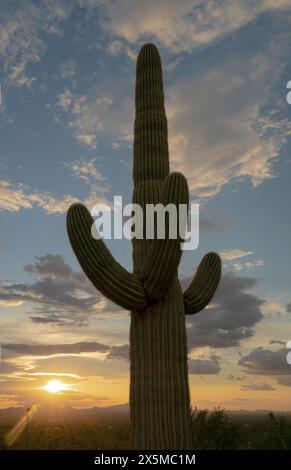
(66, 127)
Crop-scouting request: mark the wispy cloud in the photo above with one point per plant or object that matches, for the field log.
(22, 35)
(217, 132)
(249, 265)
(103, 111)
(67, 70)
(14, 197)
(182, 26)
(257, 387)
(231, 256)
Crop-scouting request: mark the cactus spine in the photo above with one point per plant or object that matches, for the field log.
(159, 390)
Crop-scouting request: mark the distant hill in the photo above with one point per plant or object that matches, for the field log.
(68, 414)
(114, 413)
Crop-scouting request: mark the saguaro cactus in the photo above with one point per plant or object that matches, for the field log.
(159, 390)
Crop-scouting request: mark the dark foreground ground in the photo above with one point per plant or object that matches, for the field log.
(211, 430)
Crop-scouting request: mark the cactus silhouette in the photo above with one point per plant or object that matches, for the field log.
(159, 390)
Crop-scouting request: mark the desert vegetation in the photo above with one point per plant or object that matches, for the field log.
(211, 430)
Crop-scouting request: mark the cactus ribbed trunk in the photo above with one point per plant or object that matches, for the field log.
(159, 390)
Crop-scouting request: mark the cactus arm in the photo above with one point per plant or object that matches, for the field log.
(203, 285)
(105, 273)
(164, 255)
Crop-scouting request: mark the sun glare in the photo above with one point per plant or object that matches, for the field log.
(54, 386)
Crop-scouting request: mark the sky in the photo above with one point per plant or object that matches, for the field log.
(66, 128)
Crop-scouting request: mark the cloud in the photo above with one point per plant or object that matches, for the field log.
(217, 130)
(65, 99)
(14, 197)
(231, 316)
(88, 139)
(249, 265)
(284, 380)
(257, 387)
(116, 47)
(277, 341)
(234, 378)
(104, 110)
(87, 171)
(218, 114)
(229, 255)
(229, 258)
(51, 265)
(182, 26)
(262, 361)
(67, 69)
(54, 349)
(224, 123)
(83, 365)
(7, 368)
(212, 226)
(119, 352)
(59, 294)
(23, 33)
(204, 365)
(179, 26)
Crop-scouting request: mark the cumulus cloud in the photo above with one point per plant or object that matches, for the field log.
(51, 265)
(59, 294)
(204, 365)
(262, 361)
(231, 317)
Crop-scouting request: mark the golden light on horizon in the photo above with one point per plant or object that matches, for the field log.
(55, 386)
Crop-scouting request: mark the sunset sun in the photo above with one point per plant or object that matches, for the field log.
(55, 386)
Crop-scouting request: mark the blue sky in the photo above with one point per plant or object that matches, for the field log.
(66, 117)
